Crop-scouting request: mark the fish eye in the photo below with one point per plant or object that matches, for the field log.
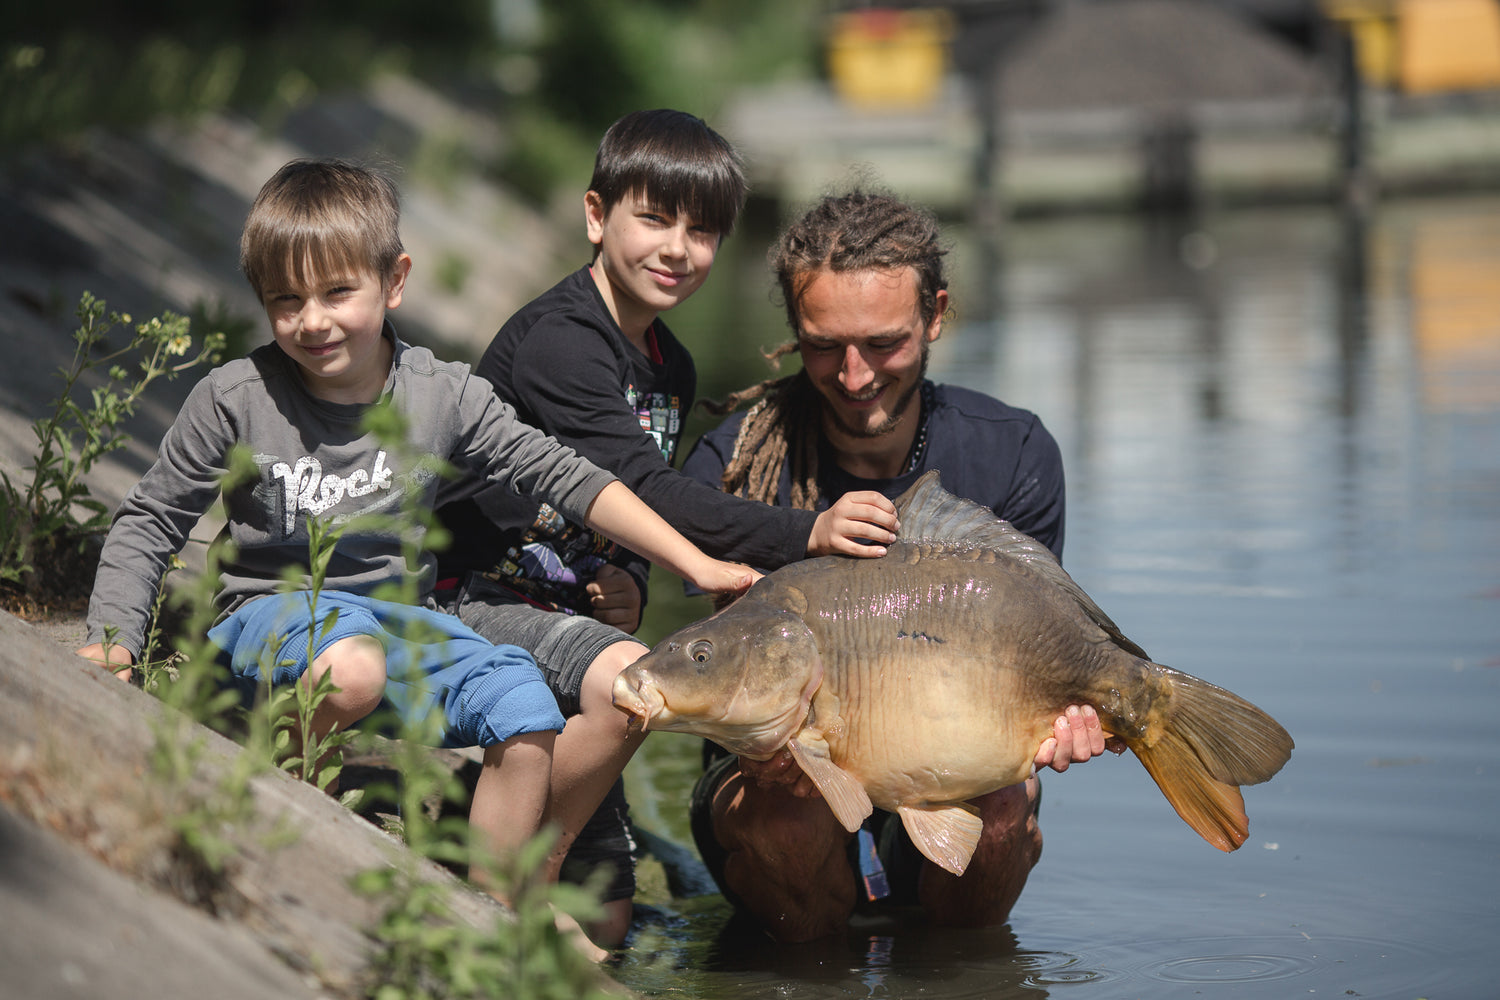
(701, 651)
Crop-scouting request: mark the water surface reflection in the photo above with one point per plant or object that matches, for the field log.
(1282, 437)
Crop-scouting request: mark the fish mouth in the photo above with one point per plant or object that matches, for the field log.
(639, 699)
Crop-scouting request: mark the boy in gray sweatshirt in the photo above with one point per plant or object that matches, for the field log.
(322, 250)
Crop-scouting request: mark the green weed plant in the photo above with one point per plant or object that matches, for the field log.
(427, 952)
(51, 519)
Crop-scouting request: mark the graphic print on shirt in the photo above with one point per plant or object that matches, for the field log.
(291, 491)
(556, 559)
(553, 563)
(660, 416)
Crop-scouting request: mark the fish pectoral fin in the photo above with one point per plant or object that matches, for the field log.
(843, 793)
(946, 834)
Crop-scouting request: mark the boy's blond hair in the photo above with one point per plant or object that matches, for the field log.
(317, 219)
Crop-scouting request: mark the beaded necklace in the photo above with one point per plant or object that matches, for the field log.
(919, 446)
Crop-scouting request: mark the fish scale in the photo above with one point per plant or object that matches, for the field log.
(931, 656)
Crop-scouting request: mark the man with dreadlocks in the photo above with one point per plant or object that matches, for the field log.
(865, 294)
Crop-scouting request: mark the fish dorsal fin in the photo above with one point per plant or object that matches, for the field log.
(946, 834)
(929, 513)
(780, 594)
(843, 793)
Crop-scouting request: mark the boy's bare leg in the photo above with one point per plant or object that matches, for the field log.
(509, 808)
(591, 751)
(510, 797)
(1009, 847)
(357, 666)
(785, 858)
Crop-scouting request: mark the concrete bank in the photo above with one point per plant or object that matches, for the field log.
(87, 862)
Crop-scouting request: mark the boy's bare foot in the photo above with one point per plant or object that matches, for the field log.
(570, 929)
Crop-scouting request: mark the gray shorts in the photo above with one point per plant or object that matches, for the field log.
(563, 645)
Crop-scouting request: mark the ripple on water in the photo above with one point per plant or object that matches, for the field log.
(1056, 968)
(1230, 968)
(1356, 964)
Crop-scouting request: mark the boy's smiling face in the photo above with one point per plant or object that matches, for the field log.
(331, 325)
(649, 259)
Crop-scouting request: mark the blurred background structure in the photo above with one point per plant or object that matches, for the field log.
(1055, 105)
(1087, 104)
(132, 137)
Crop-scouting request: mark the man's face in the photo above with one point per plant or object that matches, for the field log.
(864, 346)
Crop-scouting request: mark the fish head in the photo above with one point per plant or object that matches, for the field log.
(743, 678)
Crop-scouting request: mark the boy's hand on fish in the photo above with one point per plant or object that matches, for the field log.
(728, 578)
(1076, 737)
(615, 599)
(858, 524)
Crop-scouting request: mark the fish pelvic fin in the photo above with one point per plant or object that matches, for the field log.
(841, 790)
(1211, 742)
(946, 834)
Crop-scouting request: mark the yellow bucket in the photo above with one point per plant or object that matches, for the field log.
(1449, 45)
(880, 57)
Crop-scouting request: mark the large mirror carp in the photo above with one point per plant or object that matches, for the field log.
(920, 680)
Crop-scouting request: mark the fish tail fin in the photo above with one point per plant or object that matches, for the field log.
(1211, 742)
(1215, 809)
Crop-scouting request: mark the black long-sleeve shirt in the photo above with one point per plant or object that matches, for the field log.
(567, 368)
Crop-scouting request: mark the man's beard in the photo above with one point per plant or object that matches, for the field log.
(889, 424)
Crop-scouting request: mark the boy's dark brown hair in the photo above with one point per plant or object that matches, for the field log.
(317, 219)
(677, 162)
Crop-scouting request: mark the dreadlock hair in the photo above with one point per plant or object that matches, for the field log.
(858, 231)
(782, 424)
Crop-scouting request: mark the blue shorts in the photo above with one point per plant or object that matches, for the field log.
(447, 685)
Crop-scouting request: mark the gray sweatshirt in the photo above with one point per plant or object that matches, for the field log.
(315, 461)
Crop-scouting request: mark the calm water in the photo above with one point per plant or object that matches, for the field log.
(1282, 437)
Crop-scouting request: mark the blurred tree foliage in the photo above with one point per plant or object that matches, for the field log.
(590, 61)
(599, 59)
(556, 72)
(68, 66)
